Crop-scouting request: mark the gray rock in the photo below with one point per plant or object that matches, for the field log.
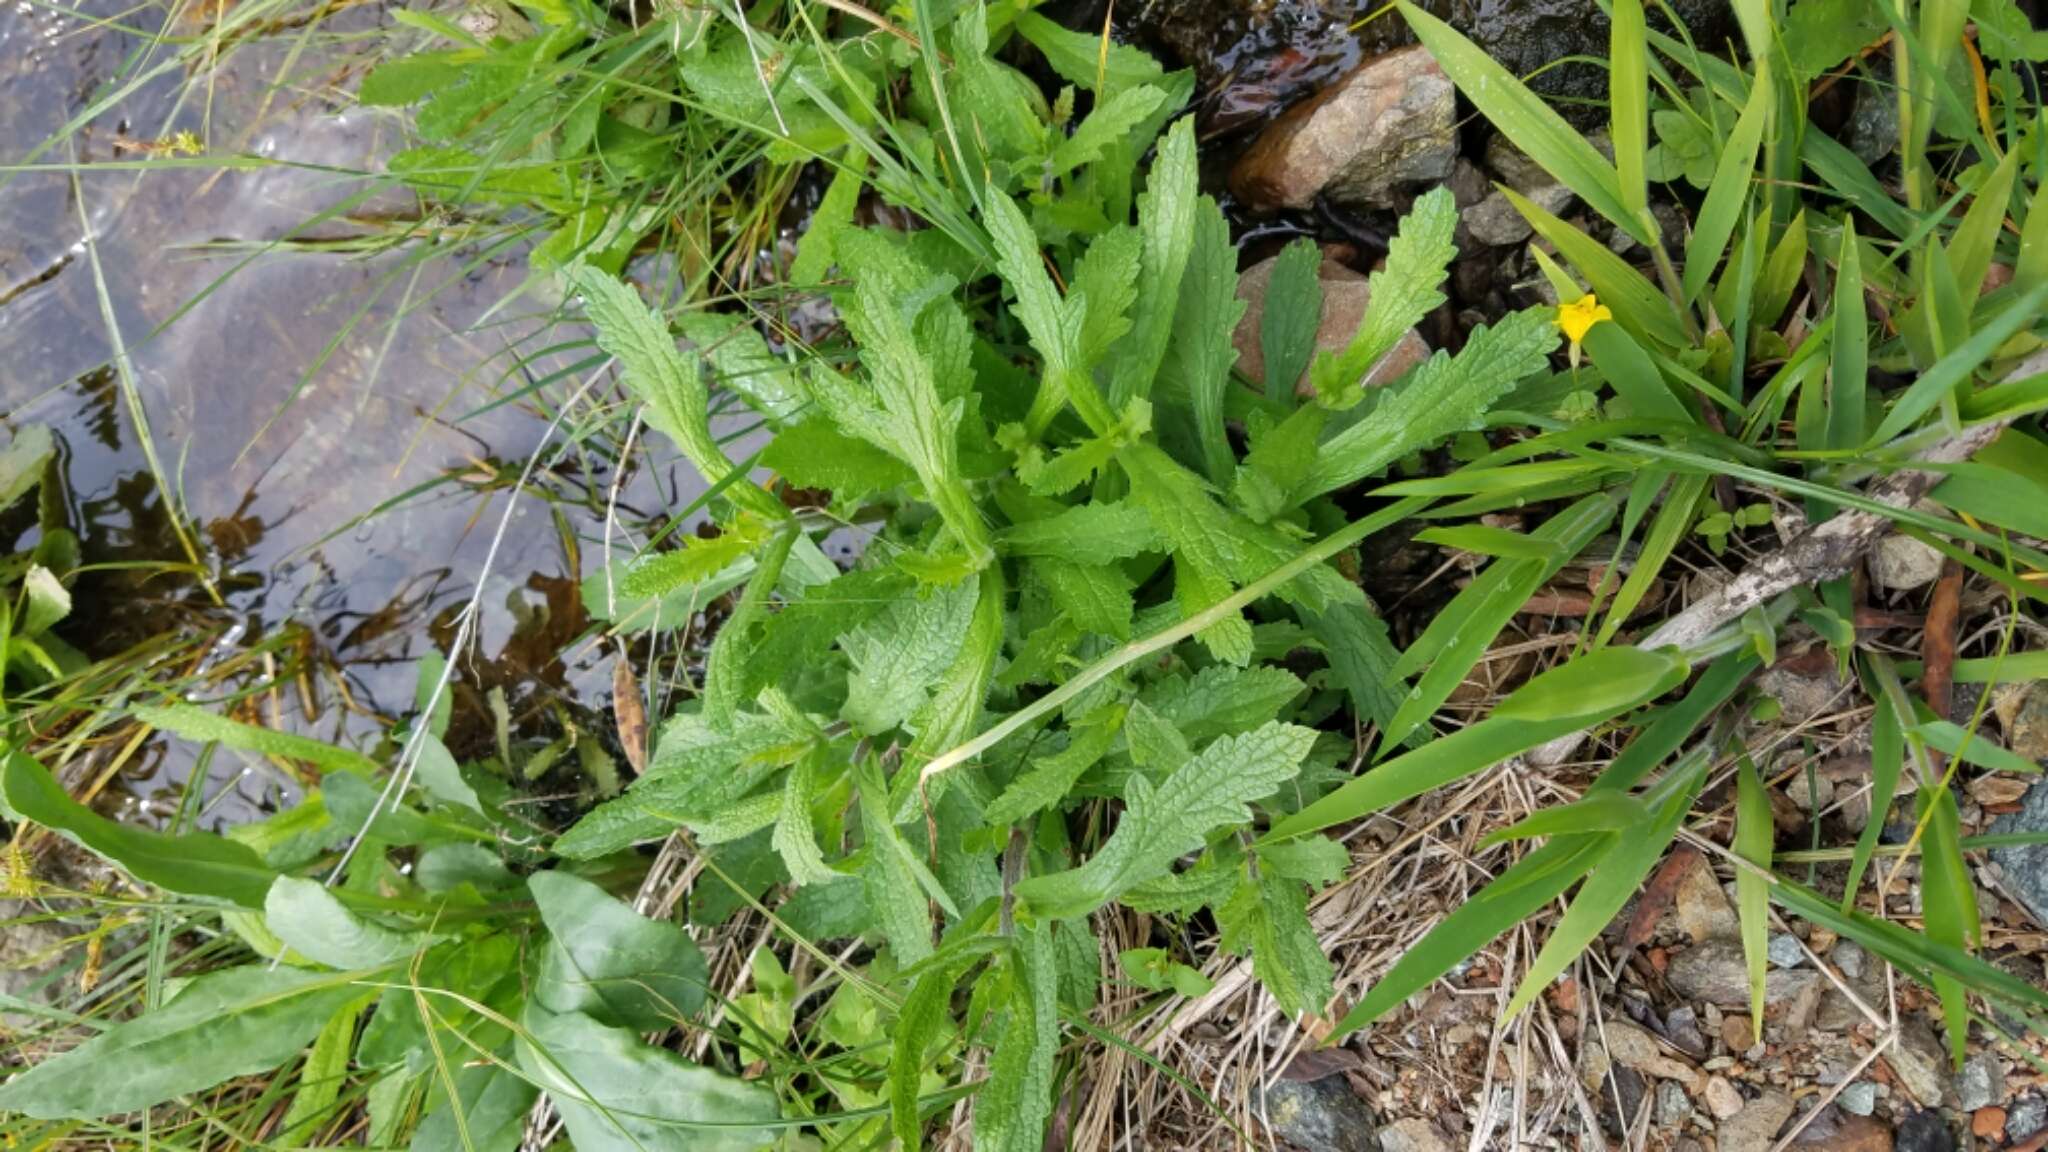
(2025, 867)
(1924, 1132)
(1387, 125)
(1318, 1114)
(1849, 956)
(1716, 973)
(1981, 1083)
(1858, 1099)
(1755, 1128)
(1919, 1062)
(1874, 126)
(1345, 296)
(1682, 1029)
(1495, 220)
(1674, 1104)
(2024, 716)
(2025, 1118)
(1413, 1134)
(1901, 564)
(1785, 950)
(1802, 698)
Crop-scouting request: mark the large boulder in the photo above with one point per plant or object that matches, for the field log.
(1387, 126)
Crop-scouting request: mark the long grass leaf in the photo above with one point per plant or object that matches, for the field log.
(1945, 375)
(1629, 103)
(1754, 836)
(1727, 194)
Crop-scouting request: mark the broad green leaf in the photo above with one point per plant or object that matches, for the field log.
(616, 1093)
(224, 1024)
(1268, 917)
(727, 666)
(925, 1017)
(1107, 279)
(608, 961)
(1154, 969)
(1085, 534)
(1166, 220)
(1976, 237)
(1159, 826)
(1972, 747)
(1729, 191)
(660, 377)
(1445, 395)
(1107, 123)
(1597, 684)
(1954, 369)
(492, 1103)
(315, 923)
(1637, 304)
(1011, 1109)
(1281, 457)
(954, 710)
(1486, 540)
(196, 723)
(1408, 288)
(1054, 323)
(440, 776)
(1455, 640)
(1362, 657)
(190, 864)
(1293, 312)
(1628, 88)
(1083, 59)
(1613, 882)
(743, 365)
(1849, 350)
(815, 252)
(795, 838)
(1154, 743)
(1523, 117)
(1202, 353)
(1096, 597)
(1755, 837)
(322, 1075)
(699, 559)
(1221, 700)
(1605, 811)
(814, 454)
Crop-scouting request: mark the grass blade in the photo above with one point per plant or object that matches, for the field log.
(1727, 194)
(1942, 379)
(1850, 351)
(1754, 840)
(1629, 97)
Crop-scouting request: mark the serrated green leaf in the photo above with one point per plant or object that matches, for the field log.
(1444, 395)
(656, 372)
(726, 667)
(901, 655)
(1153, 742)
(1209, 791)
(1293, 313)
(814, 454)
(1107, 279)
(1314, 860)
(815, 249)
(1166, 220)
(196, 723)
(1084, 534)
(894, 893)
(742, 364)
(1088, 62)
(1012, 1108)
(795, 837)
(1202, 352)
(1221, 700)
(1407, 289)
(1106, 124)
(924, 1018)
(1096, 597)
(1268, 917)
(1279, 463)
(1049, 778)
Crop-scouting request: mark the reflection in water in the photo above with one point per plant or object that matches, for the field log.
(325, 377)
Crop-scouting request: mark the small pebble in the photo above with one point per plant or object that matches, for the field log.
(1673, 1104)
(1981, 1083)
(1723, 1099)
(2026, 1118)
(1849, 957)
(1785, 950)
(1858, 1099)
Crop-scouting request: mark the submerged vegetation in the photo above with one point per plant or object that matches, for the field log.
(1103, 692)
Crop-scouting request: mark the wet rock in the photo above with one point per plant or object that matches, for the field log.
(1919, 1062)
(2026, 1118)
(1715, 972)
(1755, 1128)
(1494, 220)
(1387, 125)
(1924, 1132)
(1345, 296)
(1981, 1083)
(1901, 564)
(1413, 1135)
(1319, 1114)
(1874, 125)
(1858, 1099)
(2024, 867)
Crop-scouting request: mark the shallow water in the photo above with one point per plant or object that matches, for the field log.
(295, 395)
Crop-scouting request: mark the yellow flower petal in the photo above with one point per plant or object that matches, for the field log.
(1578, 317)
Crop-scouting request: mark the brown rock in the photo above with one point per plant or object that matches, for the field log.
(1345, 296)
(1702, 909)
(1634, 1047)
(1723, 1099)
(1388, 123)
(1413, 1135)
(1840, 1132)
(1988, 1123)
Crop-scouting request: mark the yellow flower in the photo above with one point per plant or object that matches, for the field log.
(1578, 317)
